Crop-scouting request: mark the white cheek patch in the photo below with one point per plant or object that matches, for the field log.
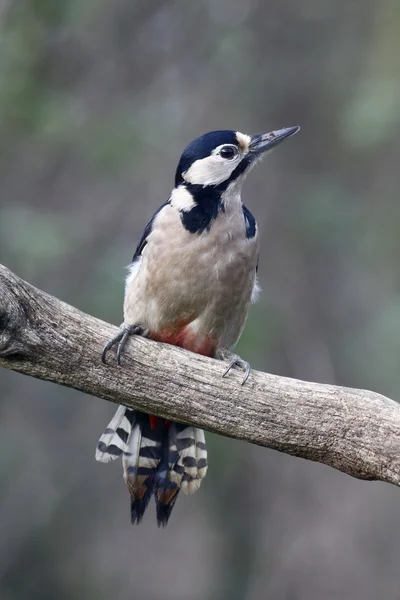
(182, 199)
(211, 170)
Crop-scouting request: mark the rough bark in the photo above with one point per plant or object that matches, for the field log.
(355, 431)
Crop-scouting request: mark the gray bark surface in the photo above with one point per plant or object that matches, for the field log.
(355, 431)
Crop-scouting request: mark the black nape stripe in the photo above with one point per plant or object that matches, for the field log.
(209, 202)
(208, 205)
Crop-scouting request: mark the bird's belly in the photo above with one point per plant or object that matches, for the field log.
(194, 290)
(203, 307)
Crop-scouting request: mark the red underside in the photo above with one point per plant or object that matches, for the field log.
(154, 422)
(184, 339)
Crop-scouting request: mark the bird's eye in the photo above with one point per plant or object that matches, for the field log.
(228, 152)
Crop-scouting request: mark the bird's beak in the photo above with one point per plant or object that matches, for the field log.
(262, 143)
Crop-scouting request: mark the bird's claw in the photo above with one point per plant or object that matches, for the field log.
(124, 332)
(236, 361)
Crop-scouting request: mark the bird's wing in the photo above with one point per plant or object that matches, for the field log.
(251, 231)
(250, 222)
(146, 233)
(136, 260)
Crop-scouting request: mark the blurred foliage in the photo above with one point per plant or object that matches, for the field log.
(97, 100)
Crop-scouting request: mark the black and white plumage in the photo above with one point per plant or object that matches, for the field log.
(190, 284)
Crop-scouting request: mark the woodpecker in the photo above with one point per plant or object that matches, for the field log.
(190, 284)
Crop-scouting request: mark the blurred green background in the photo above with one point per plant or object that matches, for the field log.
(97, 101)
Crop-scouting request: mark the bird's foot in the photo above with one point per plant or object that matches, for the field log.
(124, 332)
(234, 361)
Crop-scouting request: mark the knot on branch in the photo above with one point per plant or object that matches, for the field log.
(17, 331)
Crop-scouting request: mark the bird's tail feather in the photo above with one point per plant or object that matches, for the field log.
(185, 465)
(158, 457)
(113, 441)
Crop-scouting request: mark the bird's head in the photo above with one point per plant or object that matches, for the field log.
(220, 157)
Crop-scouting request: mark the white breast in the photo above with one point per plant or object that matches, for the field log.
(207, 279)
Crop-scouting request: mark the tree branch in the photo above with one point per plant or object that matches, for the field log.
(355, 431)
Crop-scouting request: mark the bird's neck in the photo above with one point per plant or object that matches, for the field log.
(212, 197)
(200, 205)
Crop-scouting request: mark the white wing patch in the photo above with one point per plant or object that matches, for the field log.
(133, 271)
(255, 294)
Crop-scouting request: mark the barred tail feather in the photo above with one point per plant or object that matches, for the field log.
(158, 457)
(187, 466)
(167, 481)
(141, 461)
(193, 457)
(200, 450)
(113, 441)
